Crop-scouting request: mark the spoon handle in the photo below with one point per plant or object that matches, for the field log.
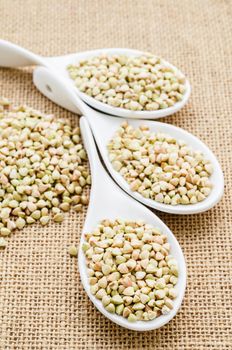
(59, 91)
(101, 181)
(13, 56)
(62, 93)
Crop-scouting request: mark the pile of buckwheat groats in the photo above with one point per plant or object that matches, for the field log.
(130, 269)
(42, 168)
(137, 83)
(160, 167)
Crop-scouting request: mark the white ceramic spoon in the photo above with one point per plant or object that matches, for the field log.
(104, 127)
(12, 55)
(108, 201)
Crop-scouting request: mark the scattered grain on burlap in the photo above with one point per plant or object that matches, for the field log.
(42, 302)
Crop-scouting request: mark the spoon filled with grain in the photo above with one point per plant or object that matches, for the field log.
(118, 81)
(130, 263)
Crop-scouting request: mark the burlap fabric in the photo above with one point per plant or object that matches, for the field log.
(42, 302)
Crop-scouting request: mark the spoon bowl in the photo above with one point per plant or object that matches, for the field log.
(104, 127)
(12, 55)
(61, 63)
(108, 201)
